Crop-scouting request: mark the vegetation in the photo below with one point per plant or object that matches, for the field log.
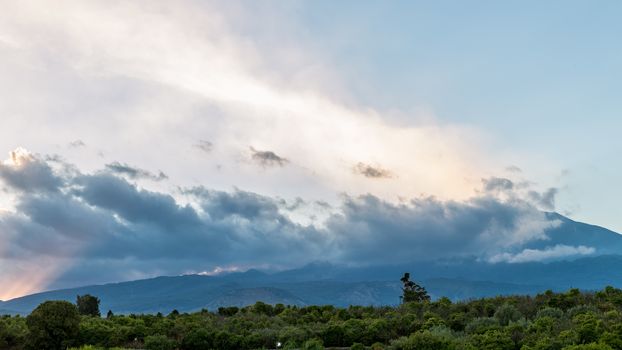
(53, 325)
(572, 320)
(88, 305)
(412, 292)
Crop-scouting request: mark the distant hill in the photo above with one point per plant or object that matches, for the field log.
(193, 292)
(324, 283)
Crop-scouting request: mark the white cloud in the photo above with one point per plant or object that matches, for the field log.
(143, 82)
(555, 252)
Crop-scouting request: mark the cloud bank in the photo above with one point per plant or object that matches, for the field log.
(95, 227)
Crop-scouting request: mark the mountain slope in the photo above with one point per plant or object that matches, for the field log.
(192, 292)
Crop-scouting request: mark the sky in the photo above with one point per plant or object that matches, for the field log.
(161, 138)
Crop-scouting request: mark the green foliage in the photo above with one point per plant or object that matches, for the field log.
(492, 340)
(507, 313)
(425, 340)
(550, 312)
(481, 325)
(228, 311)
(159, 342)
(53, 325)
(592, 346)
(313, 344)
(198, 339)
(549, 321)
(412, 292)
(13, 332)
(88, 305)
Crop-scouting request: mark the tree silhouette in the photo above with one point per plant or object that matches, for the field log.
(412, 291)
(88, 305)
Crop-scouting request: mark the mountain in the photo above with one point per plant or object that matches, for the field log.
(573, 233)
(194, 292)
(326, 283)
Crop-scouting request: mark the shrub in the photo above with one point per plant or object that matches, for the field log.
(159, 342)
(313, 344)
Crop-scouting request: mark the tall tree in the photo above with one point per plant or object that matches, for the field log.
(53, 325)
(412, 291)
(88, 305)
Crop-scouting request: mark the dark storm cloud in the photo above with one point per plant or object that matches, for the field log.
(267, 158)
(101, 221)
(373, 172)
(134, 173)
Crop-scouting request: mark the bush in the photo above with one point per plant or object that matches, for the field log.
(551, 312)
(507, 313)
(593, 346)
(159, 342)
(198, 339)
(425, 340)
(492, 340)
(481, 325)
(313, 344)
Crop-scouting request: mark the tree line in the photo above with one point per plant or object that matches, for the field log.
(571, 320)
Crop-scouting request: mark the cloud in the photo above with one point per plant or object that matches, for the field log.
(513, 169)
(267, 158)
(97, 227)
(428, 228)
(497, 184)
(116, 79)
(134, 173)
(546, 199)
(76, 144)
(556, 252)
(373, 172)
(25, 172)
(506, 188)
(205, 146)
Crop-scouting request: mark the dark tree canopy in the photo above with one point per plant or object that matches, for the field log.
(571, 320)
(412, 291)
(53, 325)
(88, 305)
